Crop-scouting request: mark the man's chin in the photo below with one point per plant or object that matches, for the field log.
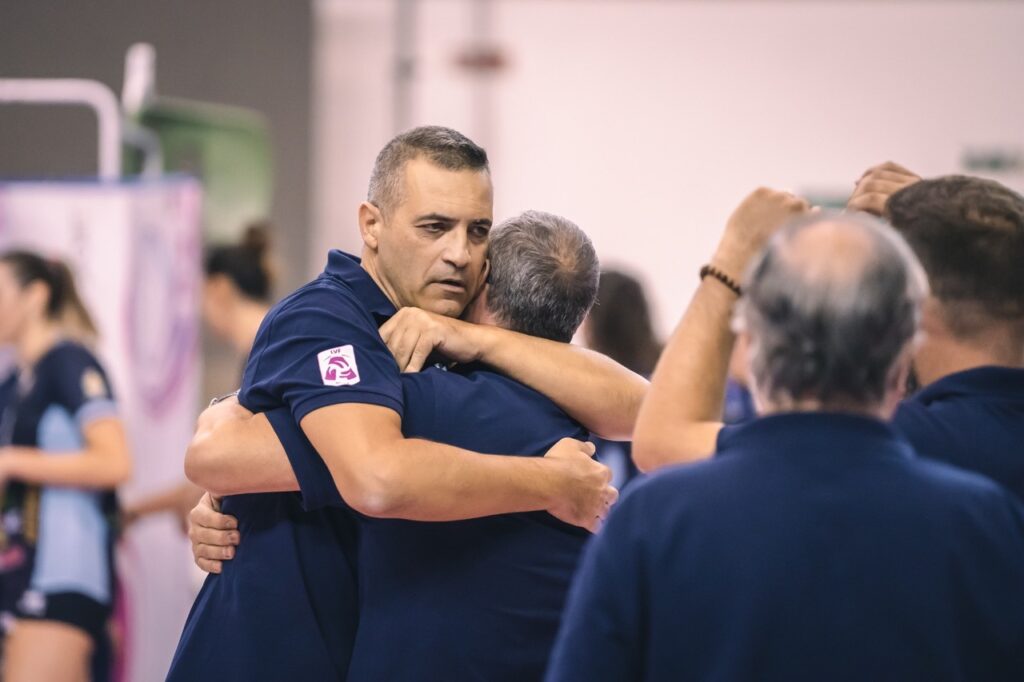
(444, 306)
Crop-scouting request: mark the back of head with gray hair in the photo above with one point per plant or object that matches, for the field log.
(829, 306)
(544, 274)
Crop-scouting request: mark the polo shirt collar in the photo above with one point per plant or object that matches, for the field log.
(992, 381)
(349, 269)
(814, 433)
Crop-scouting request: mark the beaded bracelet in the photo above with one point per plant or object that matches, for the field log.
(725, 279)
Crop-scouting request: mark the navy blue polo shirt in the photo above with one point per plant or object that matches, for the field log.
(813, 547)
(285, 607)
(468, 600)
(973, 420)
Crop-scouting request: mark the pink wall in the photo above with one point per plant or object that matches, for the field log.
(645, 122)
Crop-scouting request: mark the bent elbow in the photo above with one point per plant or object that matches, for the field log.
(376, 505)
(644, 455)
(199, 466)
(654, 451)
(375, 492)
(651, 452)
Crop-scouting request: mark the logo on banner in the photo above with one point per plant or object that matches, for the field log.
(338, 366)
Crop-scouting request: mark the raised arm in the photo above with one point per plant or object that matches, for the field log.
(593, 389)
(681, 416)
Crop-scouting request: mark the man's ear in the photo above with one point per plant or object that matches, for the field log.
(477, 311)
(371, 222)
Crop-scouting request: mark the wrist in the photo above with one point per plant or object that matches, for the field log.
(484, 342)
(712, 272)
(554, 481)
(731, 263)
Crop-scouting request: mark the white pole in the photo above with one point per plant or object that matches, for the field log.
(74, 91)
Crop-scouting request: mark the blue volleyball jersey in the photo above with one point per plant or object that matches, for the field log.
(55, 539)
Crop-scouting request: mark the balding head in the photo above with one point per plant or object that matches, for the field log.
(830, 307)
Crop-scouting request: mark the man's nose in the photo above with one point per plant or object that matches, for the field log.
(456, 248)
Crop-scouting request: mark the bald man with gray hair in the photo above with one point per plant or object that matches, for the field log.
(815, 544)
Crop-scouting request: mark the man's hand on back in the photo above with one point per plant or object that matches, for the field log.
(413, 334)
(878, 184)
(588, 494)
(213, 535)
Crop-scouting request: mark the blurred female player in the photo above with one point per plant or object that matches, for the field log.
(62, 454)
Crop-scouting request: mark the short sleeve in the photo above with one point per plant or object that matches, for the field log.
(315, 481)
(80, 385)
(317, 348)
(420, 393)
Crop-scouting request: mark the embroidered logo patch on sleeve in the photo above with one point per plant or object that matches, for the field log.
(338, 366)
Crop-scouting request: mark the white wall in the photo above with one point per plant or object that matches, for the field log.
(646, 122)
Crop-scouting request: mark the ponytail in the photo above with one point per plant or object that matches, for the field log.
(63, 305)
(246, 264)
(66, 305)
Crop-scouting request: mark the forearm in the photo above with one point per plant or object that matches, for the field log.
(593, 389)
(425, 481)
(78, 469)
(236, 457)
(681, 416)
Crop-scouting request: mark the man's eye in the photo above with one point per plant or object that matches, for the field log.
(433, 227)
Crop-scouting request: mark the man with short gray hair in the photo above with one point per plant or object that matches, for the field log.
(543, 276)
(814, 545)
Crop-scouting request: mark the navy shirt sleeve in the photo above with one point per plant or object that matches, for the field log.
(320, 347)
(80, 385)
(602, 626)
(315, 481)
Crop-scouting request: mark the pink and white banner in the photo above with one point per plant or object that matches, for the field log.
(135, 249)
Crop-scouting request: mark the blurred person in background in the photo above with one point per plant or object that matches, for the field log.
(969, 235)
(237, 294)
(63, 454)
(239, 289)
(815, 544)
(620, 326)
